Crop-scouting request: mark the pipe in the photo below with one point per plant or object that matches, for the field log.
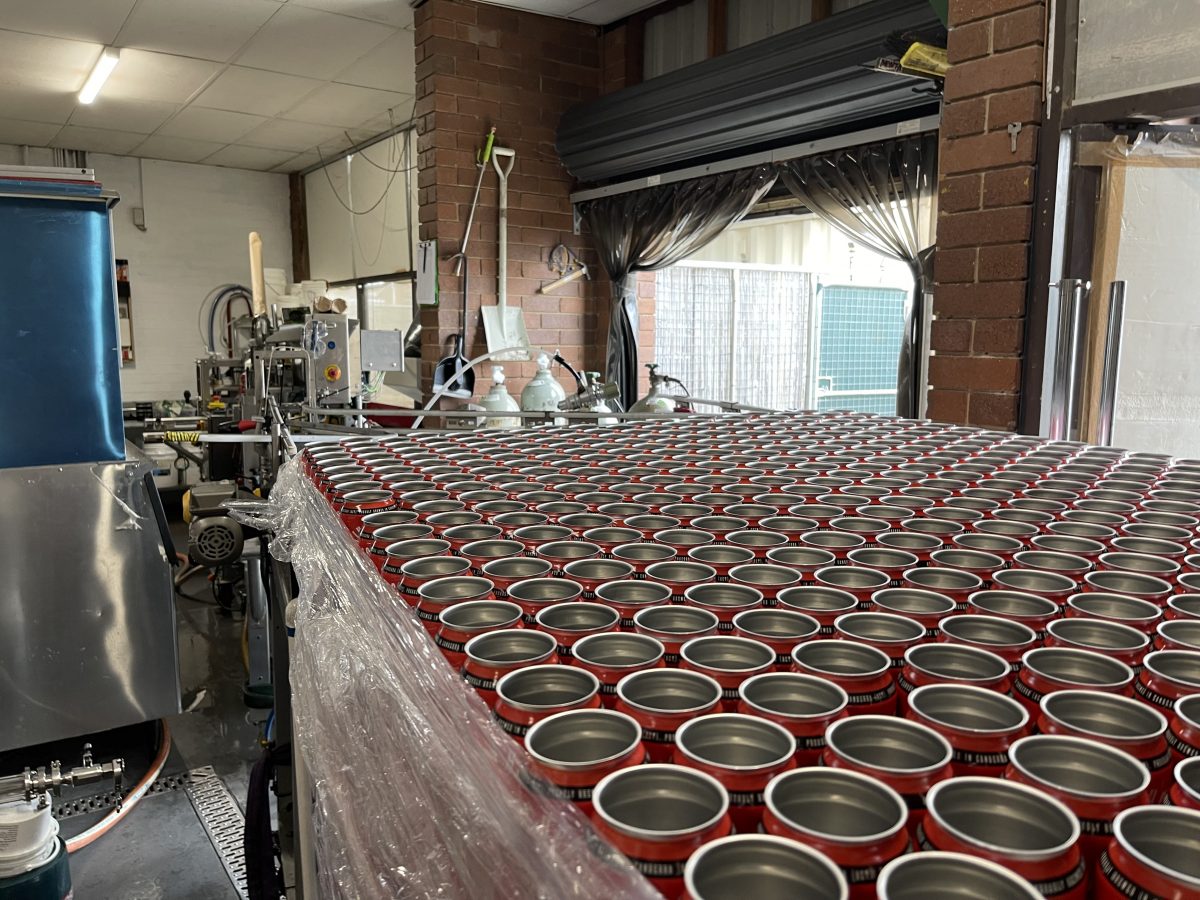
(131, 800)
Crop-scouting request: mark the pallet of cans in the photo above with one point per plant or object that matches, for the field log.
(821, 656)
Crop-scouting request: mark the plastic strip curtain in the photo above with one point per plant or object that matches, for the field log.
(650, 229)
(417, 792)
(880, 194)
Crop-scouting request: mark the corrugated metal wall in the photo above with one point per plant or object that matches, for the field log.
(676, 38)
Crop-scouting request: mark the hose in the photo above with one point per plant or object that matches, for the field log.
(131, 800)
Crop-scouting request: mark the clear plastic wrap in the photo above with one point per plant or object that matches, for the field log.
(418, 792)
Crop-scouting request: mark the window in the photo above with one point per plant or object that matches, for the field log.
(785, 313)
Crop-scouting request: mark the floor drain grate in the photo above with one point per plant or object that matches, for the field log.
(222, 820)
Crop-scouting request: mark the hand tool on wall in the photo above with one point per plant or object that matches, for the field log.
(452, 372)
(504, 325)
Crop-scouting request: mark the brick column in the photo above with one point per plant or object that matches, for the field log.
(985, 209)
(477, 66)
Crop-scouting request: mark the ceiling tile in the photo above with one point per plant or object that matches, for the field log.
(159, 146)
(97, 140)
(255, 91)
(346, 106)
(35, 104)
(375, 126)
(35, 61)
(390, 12)
(280, 134)
(37, 134)
(298, 162)
(142, 75)
(221, 126)
(95, 20)
(241, 157)
(141, 116)
(302, 41)
(207, 29)
(392, 66)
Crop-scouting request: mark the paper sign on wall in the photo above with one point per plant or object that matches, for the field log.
(427, 273)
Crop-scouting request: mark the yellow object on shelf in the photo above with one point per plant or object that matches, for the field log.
(927, 59)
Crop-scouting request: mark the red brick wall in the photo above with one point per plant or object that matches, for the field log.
(985, 209)
(479, 66)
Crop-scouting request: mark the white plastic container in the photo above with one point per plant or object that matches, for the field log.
(499, 400)
(163, 459)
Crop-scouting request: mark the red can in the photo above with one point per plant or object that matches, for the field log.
(1008, 640)
(1184, 606)
(1016, 606)
(908, 757)
(779, 629)
(952, 664)
(724, 601)
(975, 562)
(528, 695)
(504, 573)
(1115, 721)
(803, 704)
(1177, 634)
(1050, 669)
(862, 671)
(805, 560)
(1168, 676)
(859, 582)
(679, 576)
(781, 868)
(464, 621)
(569, 623)
(743, 753)
(610, 657)
(839, 543)
(727, 660)
(766, 578)
(491, 655)
(640, 811)
(535, 594)
(674, 626)
(372, 522)
(1023, 829)
(1094, 781)
(1050, 585)
(629, 597)
(590, 574)
(387, 535)
(894, 635)
(642, 556)
(1139, 614)
(416, 573)
(1131, 584)
(480, 553)
(927, 608)
(1104, 636)
(1184, 734)
(824, 604)
(980, 725)
(575, 750)
(661, 700)
(1152, 854)
(854, 819)
(910, 878)
(721, 557)
(403, 552)
(1185, 788)
(461, 535)
(920, 545)
(439, 594)
(1068, 564)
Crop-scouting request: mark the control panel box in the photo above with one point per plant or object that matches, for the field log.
(332, 340)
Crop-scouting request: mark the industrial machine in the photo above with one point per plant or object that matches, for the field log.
(33, 858)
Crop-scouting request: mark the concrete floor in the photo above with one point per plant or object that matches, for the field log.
(160, 850)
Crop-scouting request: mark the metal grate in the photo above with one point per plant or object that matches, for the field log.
(106, 800)
(223, 822)
(860, 333)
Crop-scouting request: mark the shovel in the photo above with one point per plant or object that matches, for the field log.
(452, 372)
(503, 326)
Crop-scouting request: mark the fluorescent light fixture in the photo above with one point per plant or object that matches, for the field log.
(103, 68)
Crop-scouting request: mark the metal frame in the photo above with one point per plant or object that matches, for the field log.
(782, 154)
(1063, 226)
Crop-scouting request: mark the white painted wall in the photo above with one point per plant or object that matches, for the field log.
(197, 220)
(1158, 393)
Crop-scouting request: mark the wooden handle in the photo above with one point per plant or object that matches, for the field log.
(258, 287)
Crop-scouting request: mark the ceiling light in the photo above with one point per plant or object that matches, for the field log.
(103, 68)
